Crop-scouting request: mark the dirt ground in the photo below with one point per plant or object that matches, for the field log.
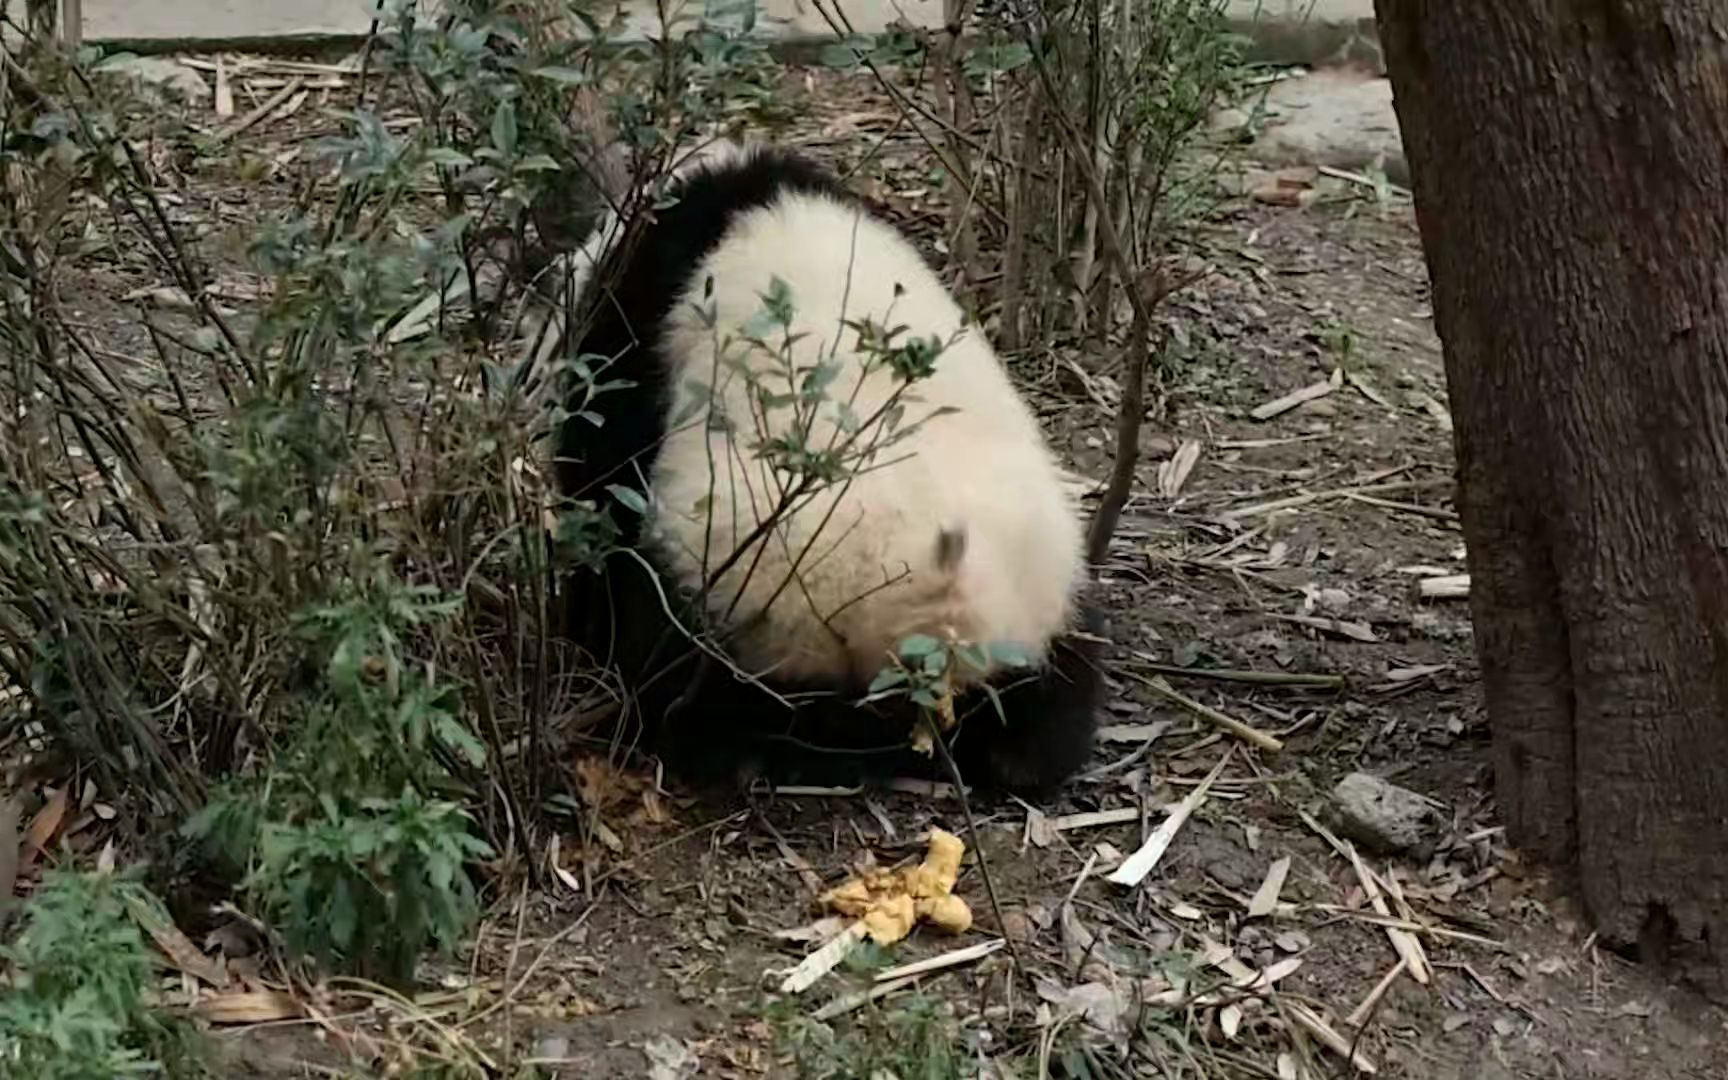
(1289, 545)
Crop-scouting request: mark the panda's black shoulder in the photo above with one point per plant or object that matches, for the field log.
(700, 207)
(704, 202)
(642, 283)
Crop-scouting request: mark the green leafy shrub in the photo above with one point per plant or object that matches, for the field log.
(285, 578)
(350, 856)
(77, 1004)
(912, 1036)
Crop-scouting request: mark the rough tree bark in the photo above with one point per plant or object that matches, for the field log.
(1570, 161)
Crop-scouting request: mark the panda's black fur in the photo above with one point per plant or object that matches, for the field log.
(703, 720)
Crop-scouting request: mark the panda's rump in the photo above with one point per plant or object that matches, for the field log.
(833, 586)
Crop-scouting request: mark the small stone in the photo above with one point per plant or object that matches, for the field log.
(1232, 124)
(552, 1046)
(1228, 118)
(1018, 926)
(1227, 873)
(1332, 600)
(157, 73)
(1292, 941)
(1157, 445)
(1333, 117)
(1383, 817)
(670, 1058)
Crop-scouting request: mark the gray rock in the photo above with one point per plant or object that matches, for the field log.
(156, 73)
(1339, 118)
(1313, 32)
(552, 1046)
(670, 1058)
(1232, 122)
(1382, 817)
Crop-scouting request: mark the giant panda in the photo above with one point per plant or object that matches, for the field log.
(754, 652)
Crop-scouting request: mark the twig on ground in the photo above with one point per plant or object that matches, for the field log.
(846, 1003)
(1403, 942)
(1291, 502)
(1135, 868)
(1409, 926)
(1348, 628)
(270, 105)
(1306, 394)
(1447, 587)
(533, 965)
(941, 962)
(1329, 1037)
(1256, 678)
(824, 959)
(1207, 713)
(1438, 513)
(1092, 818)
(1360, 1015)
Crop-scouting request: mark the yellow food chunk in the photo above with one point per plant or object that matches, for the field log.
(890, 904)
(890, 920)
(948, 913)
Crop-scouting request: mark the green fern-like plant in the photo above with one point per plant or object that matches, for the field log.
(79, 974)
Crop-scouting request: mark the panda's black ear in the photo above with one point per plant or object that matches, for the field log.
(950, 547)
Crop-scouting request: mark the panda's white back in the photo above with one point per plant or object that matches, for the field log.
(871, 576)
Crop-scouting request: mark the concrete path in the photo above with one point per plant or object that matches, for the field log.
(193, 21)
(1295, 30)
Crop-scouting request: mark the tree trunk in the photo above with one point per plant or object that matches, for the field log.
(1570, 162)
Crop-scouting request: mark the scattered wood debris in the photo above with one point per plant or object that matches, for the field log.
(251, 119)
(1330, 1038)
(941, 962)
(1205, 712)
(44, 826)
(1142, 862)
(1265, 899)
(1359, 1015)
(846, 1003)
(1346, 628)
(248, 1007)
(1311, 392)
(1173, 473)
(1446, 587)
(1133, 733)
(224, 91)
(175, 945)
(1253, 678)
(1293, 187)
(1403, 941)
(1367, 390)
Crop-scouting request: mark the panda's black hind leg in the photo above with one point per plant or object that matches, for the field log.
(1052, 719)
